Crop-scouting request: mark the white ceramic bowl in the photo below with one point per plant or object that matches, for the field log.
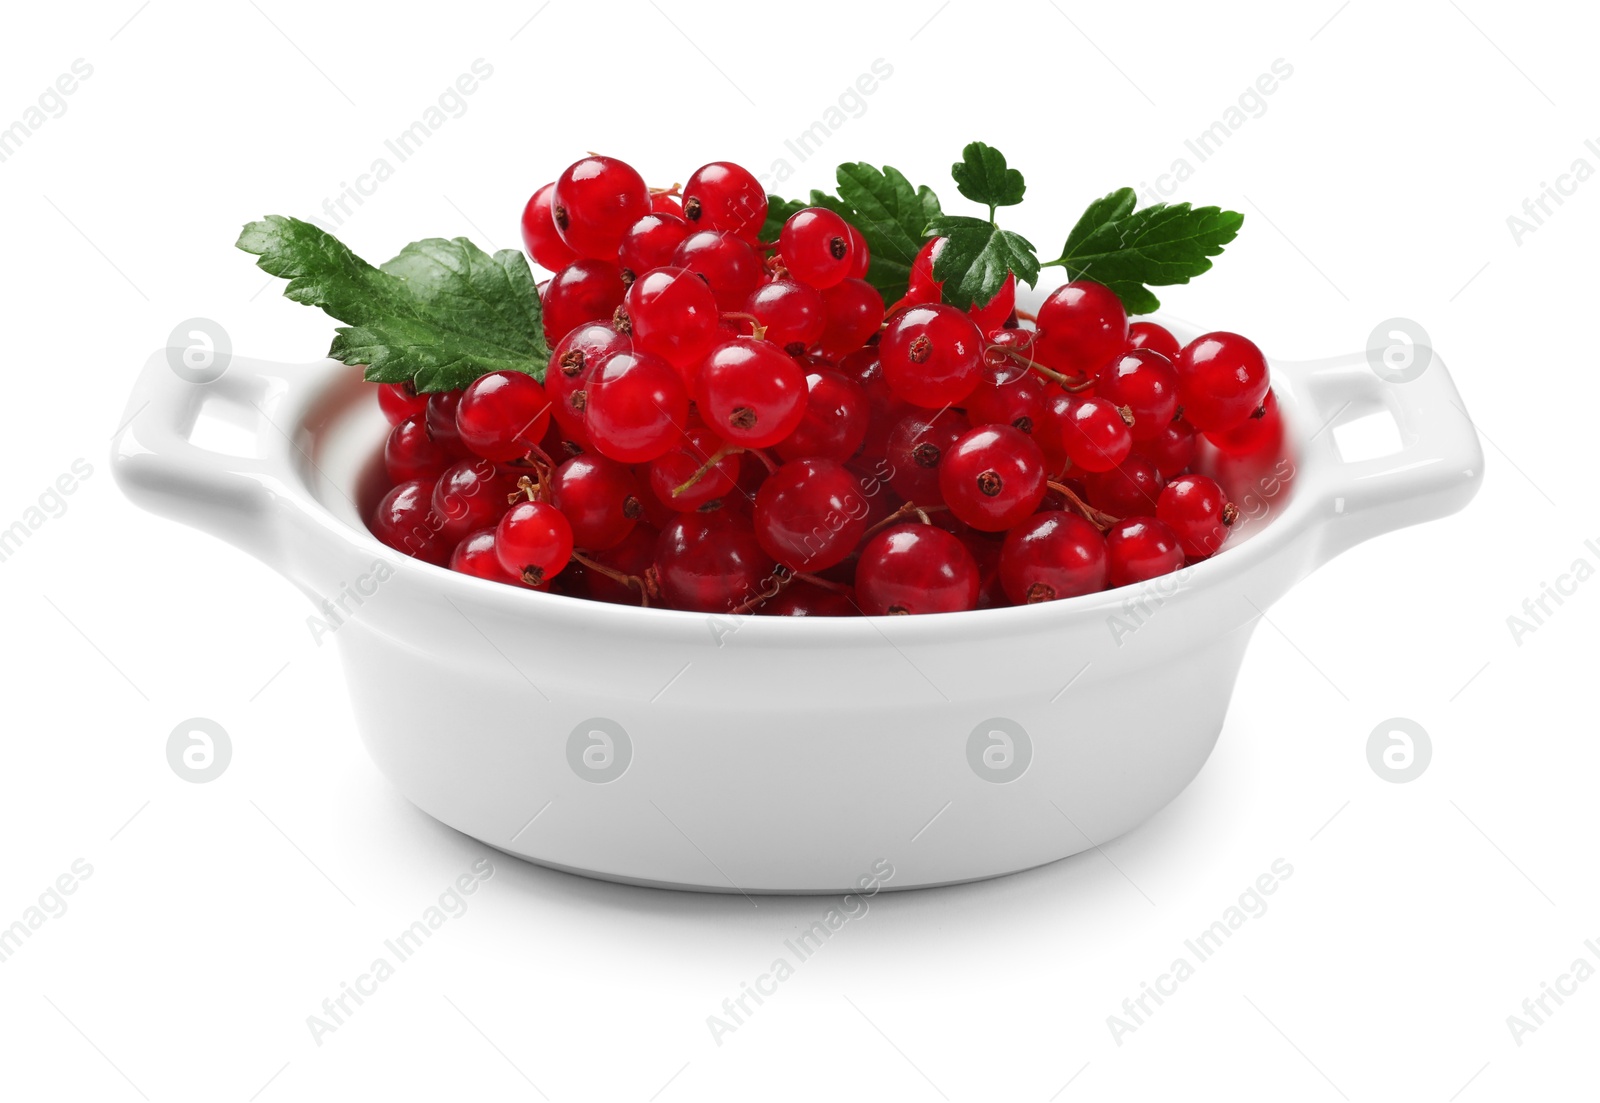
(759, 755)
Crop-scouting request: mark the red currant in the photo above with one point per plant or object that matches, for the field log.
(1145, 383)
(816, 247)
(1007, 397)
(915, 569)
(412, 453)
(1141, 548)
(724, 196)
(1198, 513)
(1222, 380)
(1262, 431)
(1131, 488)
(1052, 555)
(710, 563)
(854, 313)
(599, 498)
(583, 291)
(533, 541)
(671, 313)
(475, 555)
(727, 262)
(572, 366)
(993, 477)
(751, 393)
(502, 416)
(399, 401)
(471, 494)
(932, 355)
(1156, 338)
(636, 407)
(539, 233)
(1172, 449)
(1082, 325)
(916, 445)
(810, 514)
(594, 203)
(404, 520)
(650, 243)
(792, 312)
(1094, 434)
(802, 599)
(835, 420)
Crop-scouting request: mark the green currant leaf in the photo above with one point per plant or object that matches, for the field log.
(977, 258)
(982, 176)
(439, 315)
(1160, 245)
(893, 217)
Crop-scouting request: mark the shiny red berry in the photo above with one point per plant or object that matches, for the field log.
(404, 520)
(636, 407)
(835, 421)
(816, 247)
(1082, 325)
(583, 291)
(1052, 555)
(650, 243)
(792, 312)
(594, 203)
(1146, 384)
(539, 232)
(854, 313)
(502, 416)
(1198, 512)
(1141, 548)
(751, 392)
(993, 477)
(1156, 338)
(599, 498)
(671, 313)
(1222, 380)
(727, 262)
(932, 355)
(725, 196)
(533, 541)
(810, 514)
(915, 569)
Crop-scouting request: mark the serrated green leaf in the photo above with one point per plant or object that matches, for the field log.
(1160, 245)
(977, 257)
(893, 216)
(440, 314)
(982, 176)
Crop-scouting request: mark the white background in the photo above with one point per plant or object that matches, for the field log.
(1377, 183)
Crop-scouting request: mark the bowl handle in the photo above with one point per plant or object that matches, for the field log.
(249, 501)
(1436, 471)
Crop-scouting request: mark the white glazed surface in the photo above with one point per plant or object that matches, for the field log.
(771, 754)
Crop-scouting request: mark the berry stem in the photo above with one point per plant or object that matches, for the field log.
(909, 509)
(705, 468)
(1096, 517)
(995, 353)
(757, 330)
(632, 581)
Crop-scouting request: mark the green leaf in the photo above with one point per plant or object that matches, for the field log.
(982, 176)
(892, 216)
(977, 258)
(440, 314)
(1160, 245)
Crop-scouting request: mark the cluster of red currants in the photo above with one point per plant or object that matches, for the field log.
(733, 425)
